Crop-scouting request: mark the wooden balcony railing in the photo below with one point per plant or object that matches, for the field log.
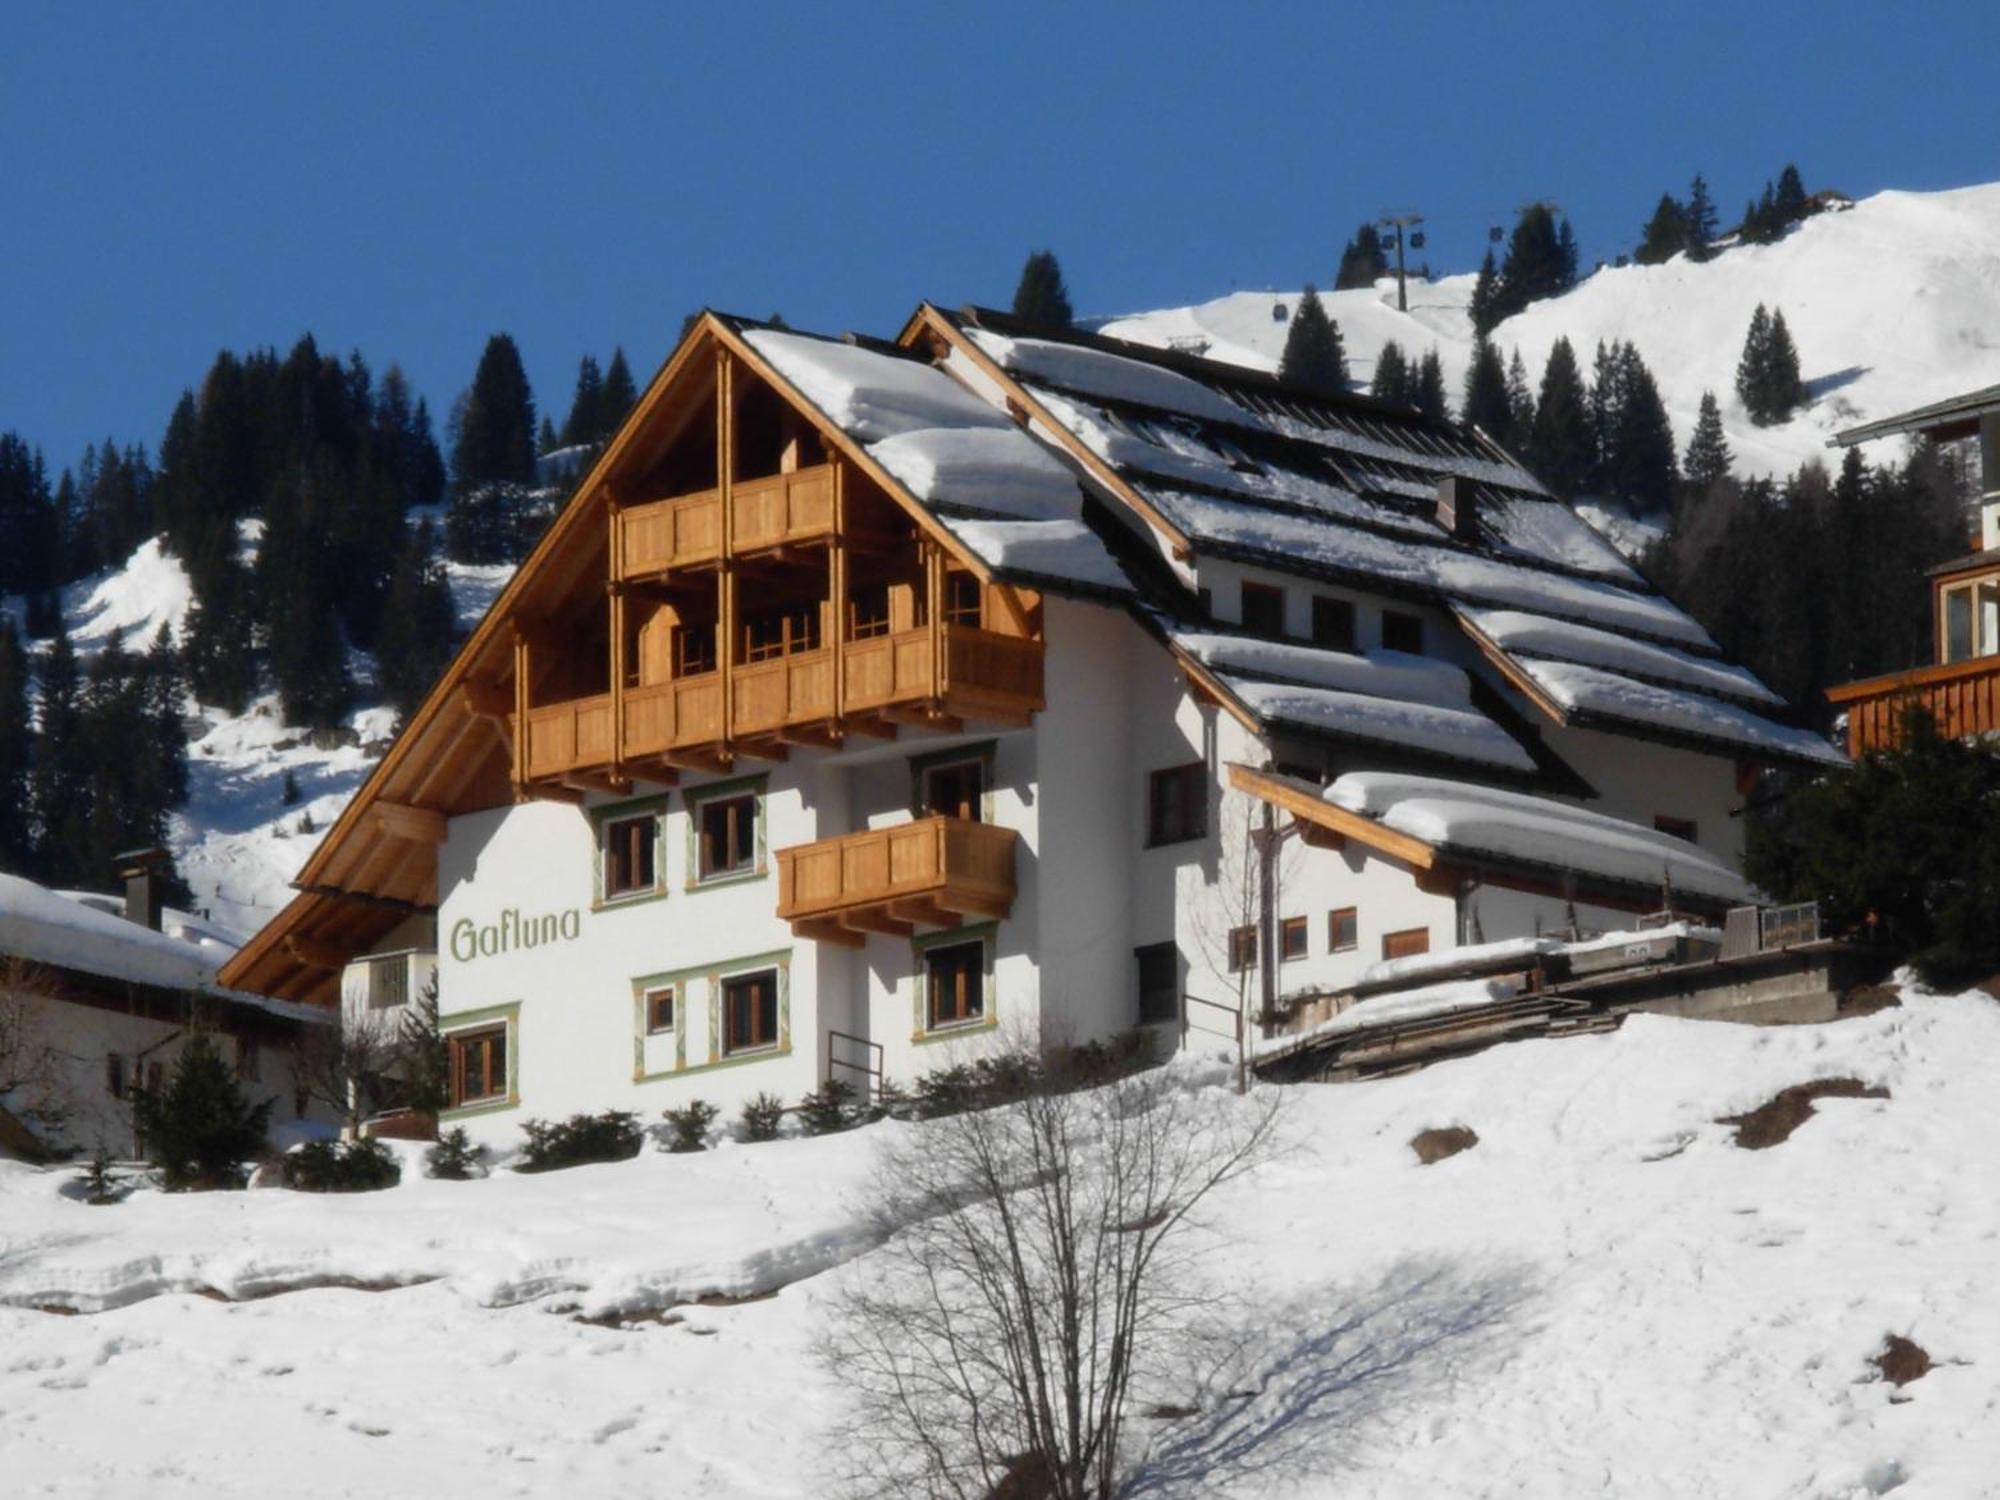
(1963, 697)
(983, 674)
(929, 873)
(686, 531)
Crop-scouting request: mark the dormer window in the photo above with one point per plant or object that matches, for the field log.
(1969, 618)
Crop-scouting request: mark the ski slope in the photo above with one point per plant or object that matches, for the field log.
(1604, 1296)
(1893, 303)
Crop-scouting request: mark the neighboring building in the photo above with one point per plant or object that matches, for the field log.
(872, 702)
(1962, 689)
(99, 996)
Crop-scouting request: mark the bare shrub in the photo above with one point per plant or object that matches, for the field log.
(31, 1079)
(1439, 1142)
(1039, 1271)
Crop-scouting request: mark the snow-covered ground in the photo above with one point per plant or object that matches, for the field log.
(1892, 303)
(1604, 1296)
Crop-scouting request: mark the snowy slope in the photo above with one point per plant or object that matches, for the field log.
(1892, 303)
(1604, 1296)
(235, 842)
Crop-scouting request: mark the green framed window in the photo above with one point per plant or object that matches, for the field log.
(726, 831)
(631, 849)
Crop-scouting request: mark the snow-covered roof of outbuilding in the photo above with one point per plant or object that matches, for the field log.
(73, 931)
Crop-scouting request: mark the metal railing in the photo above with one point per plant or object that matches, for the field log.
(872, 1089)
(1234, 1012)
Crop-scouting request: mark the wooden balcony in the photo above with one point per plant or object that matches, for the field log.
(1963, 697)
(933, 872)
(981, 675)
(780, 510)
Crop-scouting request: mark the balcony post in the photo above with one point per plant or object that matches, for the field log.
(836, 593)
(725, 570)
(934, 592)
(616, 589)
(523, 700)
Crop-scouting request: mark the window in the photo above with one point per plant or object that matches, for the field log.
(1242, 949)
(1957, 624)
(114, 1075)
(659, 1011)
(388, 982)
(728, 836)
(1159, 982)
(1972, 620)
(694, 647)
(1177, 804)
(1401, 632)
(630, 852)
(478, 1065)
(1343, 930)
(961, 599)
(955, 984)
(1407, 943)
(868, 612)
(1333, 623)
(954, 789)
(750, 1012)
(1292, 940)
(1680, 828)
(1263, 609)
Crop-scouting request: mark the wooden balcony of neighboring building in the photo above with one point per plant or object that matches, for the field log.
(1963, 697)
(780, 510)
(933, 872)
(942, 676)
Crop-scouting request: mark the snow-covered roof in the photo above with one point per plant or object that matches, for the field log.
(1596, 677)
(62, 931)
(998, 490)
(1513, 826)
(1389, 698)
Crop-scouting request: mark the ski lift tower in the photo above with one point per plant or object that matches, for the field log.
(1399, 226)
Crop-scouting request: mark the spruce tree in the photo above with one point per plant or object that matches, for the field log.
(1666, 234)
(201, 1128)
(492, 459)
(1700, 219)
(1485, 404)
(619, 396)
(1708, 457)
(419, 627)
(1041, 297)
(1789, 200)
(1520, 406)
(1753, 367)
(1427, 395)
(1392, 376)
(1540, 262)
(1562, 447)
(1484, 307)
(1787, 390)
(1362, 261)
(585, 424)
(547, 439)
(61, 784)
(17, 751)
(1637, 463)
(1313, 353)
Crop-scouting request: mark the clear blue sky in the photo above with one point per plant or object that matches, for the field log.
(407, 180)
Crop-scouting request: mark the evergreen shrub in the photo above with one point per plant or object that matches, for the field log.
(455, 1158)
(363, 1166)
(828, 1108)
(550, 1145)
(763, 1115)
(690, 1124)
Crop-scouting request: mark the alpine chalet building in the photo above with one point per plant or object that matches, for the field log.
(875, 702)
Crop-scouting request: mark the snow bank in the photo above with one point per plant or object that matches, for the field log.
(1421, 1004)
(867, 394)
(1595, 691)
(1064, 551)
(1519, 633)
(990, 467)
(1096, 372)
(1605, 1249)
(1514, 825)
(1416, 965)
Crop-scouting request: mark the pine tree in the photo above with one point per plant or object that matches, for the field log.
(1428, 393)
(419, 628)
(220, 659)
(1484, 307)
(17, 752)
(619, 396)
(547, 439)
(1485, 403)
(492, 458)
(1790, 198)
(1700, 219)
(29, 533)
(201, 1128)
(1637, 463)
(1362, 261)
(1540, 262)
(1041, 296)
(1666, 234)
(1787, 390)
(1562, 448)
(1753, 367)
(1708, 457)
(1313, 353)
(1392, 376)
(1566, 255)
(1520, 406)
(585, 425)
(60, 785)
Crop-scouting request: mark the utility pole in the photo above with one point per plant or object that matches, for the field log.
(1400, 225)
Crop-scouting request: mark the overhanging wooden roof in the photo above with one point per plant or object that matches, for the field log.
(1954, 417)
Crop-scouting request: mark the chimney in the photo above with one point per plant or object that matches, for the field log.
(144, 872)
(1458, 508)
